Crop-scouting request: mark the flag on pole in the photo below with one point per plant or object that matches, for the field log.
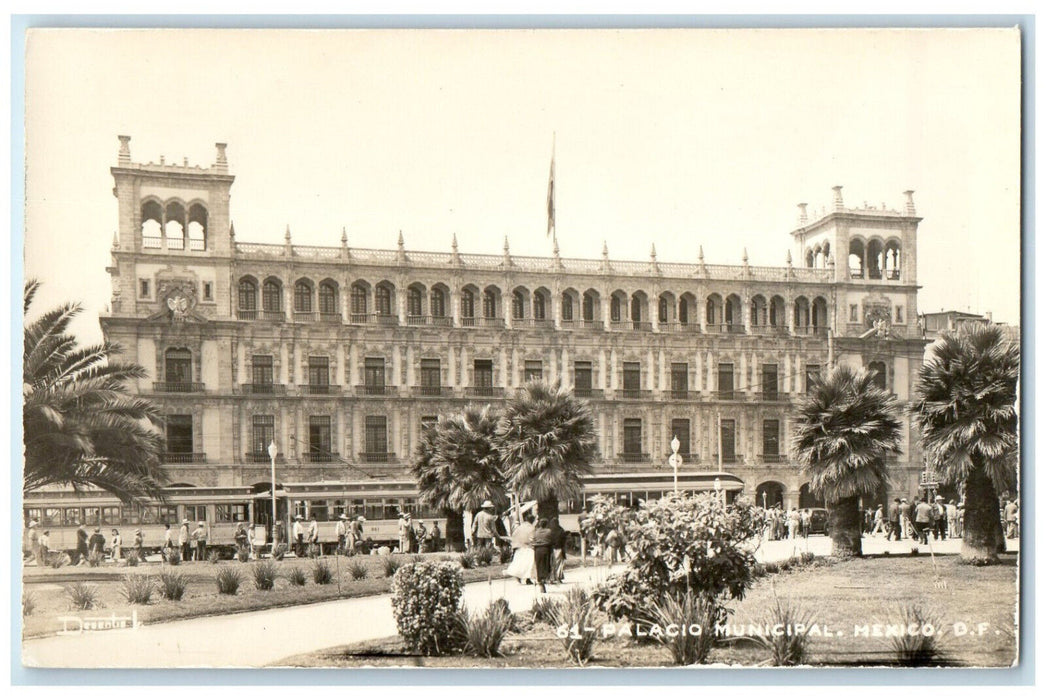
(552, 191)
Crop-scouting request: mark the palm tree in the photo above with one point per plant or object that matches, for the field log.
(844, 430)
(547, 442)
(457, 467)
(81, 427)
(965, 404)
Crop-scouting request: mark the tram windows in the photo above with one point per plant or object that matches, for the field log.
(111, 515)
(71, 516)
(32, 514)
(357, 508)
(391, 510)
(91, 515)
(150, 515)
(230, 513)
(338, 509)
(318, 510)
(51, 517)
(195, 514)
(409, 507)
(299, 509)
(130, 515)
(167, 514)
(373, 510)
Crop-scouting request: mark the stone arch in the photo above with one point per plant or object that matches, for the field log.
(174, 224)
(769, 494)
(590, 306)
(777, 315)
(892, 259)
(732, 314)
(359, 298)
(759, 311)
(520, 303)
(666, 308)
(303, 290)
(618, 306)
(247, 294)
(541, 306)
(875, 259)
(469, 294)
(856, 257)
(415, 300)
(438, 296)
(687, 313)
(877, 369)
(569, 305)
(802, 313)
(151, 222)
(639, 309)
(807, 498)
(385, 298)
(328, 297)
(492, 302)
(819, 314)
(197, 226)
(714, 310)
(272, 294)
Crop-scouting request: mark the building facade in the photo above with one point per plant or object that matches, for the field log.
(340, 355)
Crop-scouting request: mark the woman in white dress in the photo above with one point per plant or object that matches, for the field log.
(522, 566)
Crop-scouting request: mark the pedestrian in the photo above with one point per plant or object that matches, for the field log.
(81, 544)
(240, 538)
(906, 519)
(952, 512)
(484, 525)
(894, 523)
(116, 545)
(804, 521)
(357, 533)
(923, 521)
(401, 531)
(434, 537)
(410, 541)
(97, 542)
(559, 550)
(1010, 513)
(522, 566)
(940, 519)
(199, 536)
(313, 533)
(421, 537)
(793, 523)
(183, 541)
(139, 541)
(615, 546)
(341, 531)
(878, 523)
(43, 548)
(249, 531)
(541, 541)
(298, 533)
(960, 508)
(31, 543)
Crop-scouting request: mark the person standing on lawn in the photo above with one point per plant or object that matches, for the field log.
(953, 518)
(183, 541)
(313, 535)
(923, 521)
(1010, 512)
(97, 542)
(940, 519)
(81, 544)
(116, 545)
(31, 543)
(340, 532)
(139, 540)
(298, 533)
(199, 536)
(357, 534)
(541, 541)
(43, 548)
(484, 525)
(168, 542)
(559, 550)
(434, 537)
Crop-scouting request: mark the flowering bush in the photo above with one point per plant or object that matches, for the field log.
(425, 600)
(682, 543)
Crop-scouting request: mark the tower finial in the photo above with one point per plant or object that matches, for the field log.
(803, 219)
(506, 244)
(606, 253)
(344, 237)
(653, 253)
(232, 230)
(838, 198)
(701, 254)
(287, 235)
(454, 242)
(116, 241)
(555, 246)
(909, 203)
(788, 258)
(124, 157)
(744, 255)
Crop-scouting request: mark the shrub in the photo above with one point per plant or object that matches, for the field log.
(485, 555)
(82, 596)
(575, 625)
(264, 573)
(784, 631)
(806, 557)
(279, 552)
(505, 554)
(132, 558)
(425, 598)
(357, 569)
(467, 560)
(390, 565)
(214, 557)
(544, 609)
(172, 585)
(57, 561)
(242, 555)
(312, 551)
(321, 572)
(28, 603)
(694, 618)
(138, 588)
(771, 567)
(483, 633)
(914, 552)
(95, 558)
(758, 570)
(228, 580)
(174, 557)
(917, 649)
(296, 575)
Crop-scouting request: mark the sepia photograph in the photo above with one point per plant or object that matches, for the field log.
(521, 348)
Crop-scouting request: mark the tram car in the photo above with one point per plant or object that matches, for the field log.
(378, 502)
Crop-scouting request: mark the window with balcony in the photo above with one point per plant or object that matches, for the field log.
(680, 429)
(376, 438)
(813, 376)
(632, 377)
(302, 297)
(179, 436)
(662, 310)
(383, 300)
(680, 380)
(567, 308)
(878, 372)
(320, 439)
(727, 437)
(633, 434)
(374, 375)
(261, 373)
(271, 296)
(726, 380)
(771, 438)
(539, 306)
(414, 302)
(583, 378)
(319, 375)
(178, 369)
(483, 377)
(468, 304)
(518, 305)
(358, 299)
(490, 304)
(248, 295)
(437, 304)
(328, 299)
(430, 377)
(588, 308)
(532, 371)
(263, 433)
(684, 312)
(770, 382)
(615, 309)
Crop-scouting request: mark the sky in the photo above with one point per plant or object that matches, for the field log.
(676, 138)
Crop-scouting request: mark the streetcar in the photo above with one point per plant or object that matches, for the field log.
(379, 502)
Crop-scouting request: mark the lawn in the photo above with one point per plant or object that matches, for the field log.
(48, 589)
(846, 599)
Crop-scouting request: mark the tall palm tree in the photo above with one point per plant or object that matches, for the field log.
(457, 467)
(966, 397)
(81, 427)
(547, 441)
(844, 429)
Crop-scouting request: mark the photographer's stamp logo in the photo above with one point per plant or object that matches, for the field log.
(72, 624)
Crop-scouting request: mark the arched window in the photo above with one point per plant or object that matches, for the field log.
(588, 308)
(328, 298)
(875, 259)
(878, 372)
(567, 309)
(518, 304)
(539, 306)
(302, 297)
(468, 304)
(197, 228)
(414, 302)
(615, 309)
(437, 303)
(684, 312)
(490, 304)
(152, 224)
(271, 296)
(358, 297)
(662, 310)
(248, 300)
(383, 300)
(637, 309)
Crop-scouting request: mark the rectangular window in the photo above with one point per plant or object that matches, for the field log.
(582, 377)
(771, 438)
(726, 436)
(91, 515)
(376, 437)
(726, 380)
(320, 438)
(899, 314)
(680, 380)
(178, 366)
(196, 514)
(770, 382)
(483, 373)
(681, 431)
(632, 379)
(261, 370)
(853, 313)
(430, 374)
(428, 422)
(633, 436)
(230, 513)
(532, 371)
(319, 372)
(374, 373)
(813, 374)
(71, 516)
(167, 514)
(319, 510)
(110, 515)
(263, 433)
(51, 517)
(208, 291)
(179, 434)
(143, 288)
(130, 515)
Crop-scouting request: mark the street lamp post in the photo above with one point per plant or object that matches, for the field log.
(272, 462)
(675, 460)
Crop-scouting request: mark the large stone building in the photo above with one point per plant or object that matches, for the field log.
(340, 354)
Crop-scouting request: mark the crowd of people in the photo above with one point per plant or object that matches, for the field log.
(789, 524)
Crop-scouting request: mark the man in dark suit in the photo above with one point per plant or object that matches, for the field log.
(894, 525)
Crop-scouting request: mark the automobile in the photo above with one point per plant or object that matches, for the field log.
(818, 521)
